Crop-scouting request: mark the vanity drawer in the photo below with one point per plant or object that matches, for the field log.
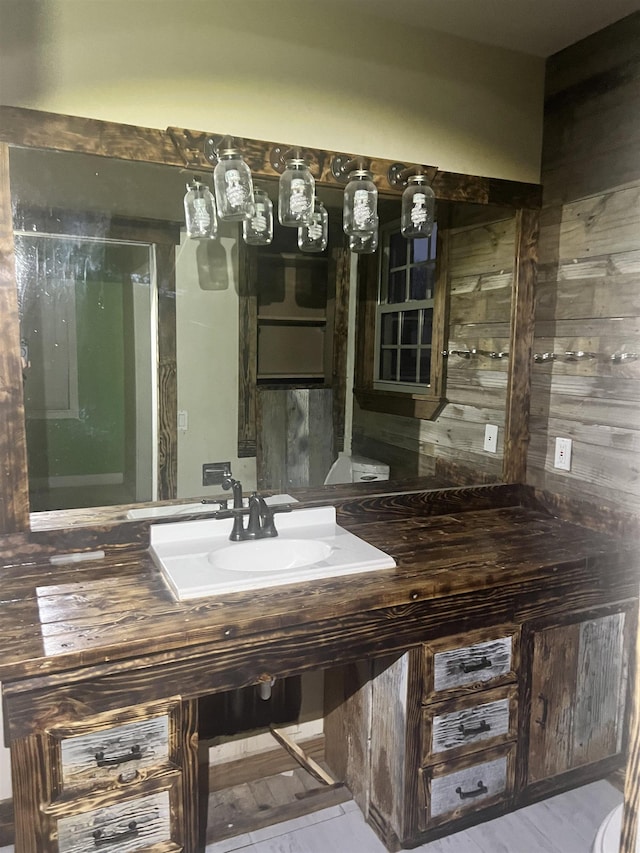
(117, 753)
(460, 726)
(454, 789)
(116, 749)
(125, 826)
(451, 668)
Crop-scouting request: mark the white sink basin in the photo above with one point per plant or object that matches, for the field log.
(269, 555)
(197, 559)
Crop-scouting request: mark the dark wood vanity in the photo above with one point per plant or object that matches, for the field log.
(460, 667)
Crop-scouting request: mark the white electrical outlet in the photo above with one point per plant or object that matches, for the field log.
(491, 438)
(562, 457)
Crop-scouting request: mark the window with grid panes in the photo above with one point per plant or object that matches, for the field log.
(404, 314)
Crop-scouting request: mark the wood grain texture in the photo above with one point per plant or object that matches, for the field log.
(473, 294)
(589, 253)
(131, 825)
(247, 350)
(167, 374)
(181, 146)
(347, 702)
(478, 781)
(14, 492)
(72, 650)
(464, 663)
(294, 437)
(521, 347)
(459, 726)
(573, 712)
(631, 809)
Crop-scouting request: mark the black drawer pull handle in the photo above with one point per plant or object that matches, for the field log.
(134, 755)
(101, 840)
(482, 727)
(545, 711)
(464, 795)
(483, 663)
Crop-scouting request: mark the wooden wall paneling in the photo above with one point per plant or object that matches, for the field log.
(591, 135)
(297, 436)
(480, 269)
(271, 439)
(521, 347)
(247, 350)
(321, 449)
(589, 301)
(588, 298)
(294, 437)
(14, 489)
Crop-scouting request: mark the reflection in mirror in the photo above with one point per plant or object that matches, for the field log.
(87, 329)
(103, 268)
(163, 321)
(95, 262)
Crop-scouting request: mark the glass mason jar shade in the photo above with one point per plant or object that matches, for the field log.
(313, 236)
(360, 209)
(296, 192)
(200, 211)
(233, 186)
(257, 230)
(364, 244)
(418, 208)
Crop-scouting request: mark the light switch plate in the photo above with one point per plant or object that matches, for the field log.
(491, 438)
(562, 458)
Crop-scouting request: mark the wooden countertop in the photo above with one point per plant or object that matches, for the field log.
(473, 548)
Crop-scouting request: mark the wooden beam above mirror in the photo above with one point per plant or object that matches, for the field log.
(187, 148)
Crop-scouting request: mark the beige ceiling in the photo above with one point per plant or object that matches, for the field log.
(538, 27)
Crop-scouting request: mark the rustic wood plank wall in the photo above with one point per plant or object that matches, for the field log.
(294, 429)
(588, 294)
(480, 282)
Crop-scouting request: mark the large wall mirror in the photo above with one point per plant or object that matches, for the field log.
(132, 337)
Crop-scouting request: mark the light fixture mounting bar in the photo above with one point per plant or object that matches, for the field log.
(399, 173)
(343, 164)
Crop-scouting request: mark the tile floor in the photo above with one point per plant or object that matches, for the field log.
(563, 824)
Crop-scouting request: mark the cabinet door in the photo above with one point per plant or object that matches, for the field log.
(578, 692)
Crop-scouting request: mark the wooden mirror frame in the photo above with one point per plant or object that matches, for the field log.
(182, 147)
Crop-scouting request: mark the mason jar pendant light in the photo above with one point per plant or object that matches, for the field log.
(360, 207)
(257, 230)
(200, 211)
(296, 192)
(233, 186)
(364, 244)
(418, 208)
(314, 235)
